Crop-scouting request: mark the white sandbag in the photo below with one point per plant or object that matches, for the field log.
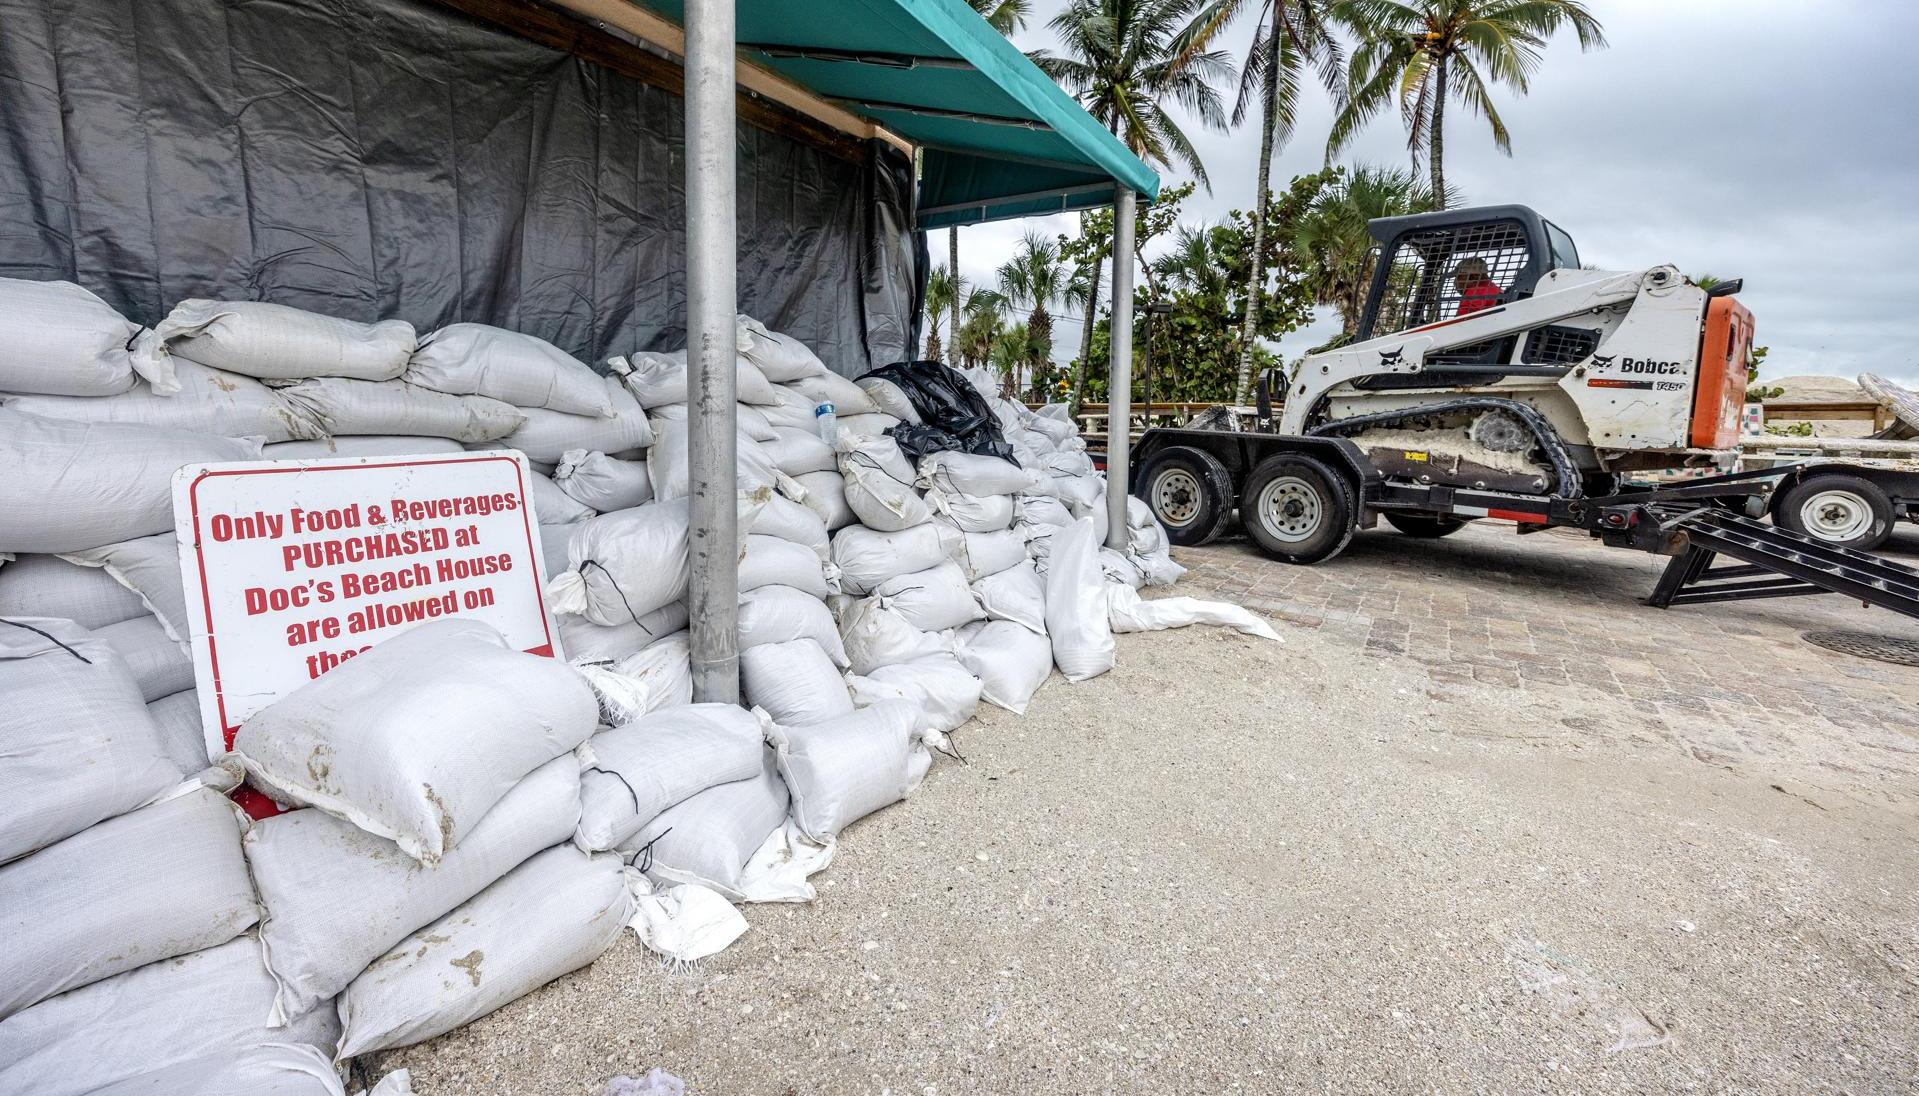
(49, 586)
(781, 357)
(371, 740)
(160, 881)
(1117, 568)
(1076, 614)
(362, 445)
(343, 406)
(634, 772)
(161, 665)
(972, 513)
(709, 838)
(932, 600)
(791, 409)
(602, 483)
(797, 452)
(771, 561)
(472, 359)
(1128, 612)
(546, 435)
(275, 342)
(76, 743)
(179, 731)
(788, 520)
(60, 340)
(337, 897)
(844, 769)
(660, 379)
(551, 915)
(846, 397)
(1017, 594)
(875, 635)
(667, 463)
(983, 554)
(1052, 421)
(825, 495)
(1044, 510)
(974, 474)
(748, 419)
(1011, 661)
(210, 401)
(870, 425)
(65, 486)
(622, 566)
(270, 1069)
(879, 483)
(585, 641)
(208, 1006)
(683, 923)
(150, 568)
(552, 506)
(944, 694)
(795, 682)
(780, 614)
(659, 675)
(1078, 492)
(866, 557)
(889, 398)
(554, 540)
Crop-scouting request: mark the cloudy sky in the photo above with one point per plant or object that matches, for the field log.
(1773, 140)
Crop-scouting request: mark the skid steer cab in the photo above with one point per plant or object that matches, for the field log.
(1489, 375)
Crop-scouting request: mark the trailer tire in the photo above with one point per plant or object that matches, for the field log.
(1190, 493)
(1845, 511)
(1424, 526)
(1297, 509)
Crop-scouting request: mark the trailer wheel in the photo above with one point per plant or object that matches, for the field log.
(1190, 493)
(1422, 525)
(1843, 510)
(1297, 509)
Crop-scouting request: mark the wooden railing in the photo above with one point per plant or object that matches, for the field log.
(1778, 411)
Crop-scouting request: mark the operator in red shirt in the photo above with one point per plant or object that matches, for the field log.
(1477, 290)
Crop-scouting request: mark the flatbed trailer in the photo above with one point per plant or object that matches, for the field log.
(1301, 499)
(1847, 491)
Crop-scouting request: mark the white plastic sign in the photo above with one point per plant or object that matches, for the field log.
(292, 567)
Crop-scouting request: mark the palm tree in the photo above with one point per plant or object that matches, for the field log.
(943, 291)
(1287, 36)
(1035, 278)
(1333, 235)
(1123, 59)
(1008, 17)
(985, 317)
(1423, 54)
(1009, 350)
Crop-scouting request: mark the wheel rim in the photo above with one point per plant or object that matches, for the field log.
(1176, 497)
(1290, 509)
(1836, 515)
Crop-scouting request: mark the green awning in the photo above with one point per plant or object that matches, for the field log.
(999, 138)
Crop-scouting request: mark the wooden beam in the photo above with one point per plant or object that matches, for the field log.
(554, 30)
(649, 27)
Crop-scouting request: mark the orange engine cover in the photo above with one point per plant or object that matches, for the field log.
(1720, 394)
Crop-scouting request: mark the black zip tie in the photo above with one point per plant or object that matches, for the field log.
(952, 750)
(50, 638)
(622, 780)
(858, 458)
(585, 563)
(646, 852)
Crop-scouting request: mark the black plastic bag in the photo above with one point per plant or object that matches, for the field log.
(916, 440)
(947, 402)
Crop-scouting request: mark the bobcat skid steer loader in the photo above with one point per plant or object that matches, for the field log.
(1492, 376)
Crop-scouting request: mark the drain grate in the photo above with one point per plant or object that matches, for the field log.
(1875, 645)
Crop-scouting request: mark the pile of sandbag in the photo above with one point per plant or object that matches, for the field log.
(465, 822)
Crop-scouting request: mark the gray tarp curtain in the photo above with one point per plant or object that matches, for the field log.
(382, 159)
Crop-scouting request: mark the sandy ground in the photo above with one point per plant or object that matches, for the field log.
(1232, 865)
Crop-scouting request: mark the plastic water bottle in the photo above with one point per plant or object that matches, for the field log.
(827, 421)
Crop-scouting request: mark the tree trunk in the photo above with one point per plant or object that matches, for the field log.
(1039, 328)
(935, 352)
(1249, 326)
(1086, 338)
(1437, 140)
(952, 270)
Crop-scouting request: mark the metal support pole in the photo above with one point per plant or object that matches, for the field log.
(1119, 388)
(713, 594)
